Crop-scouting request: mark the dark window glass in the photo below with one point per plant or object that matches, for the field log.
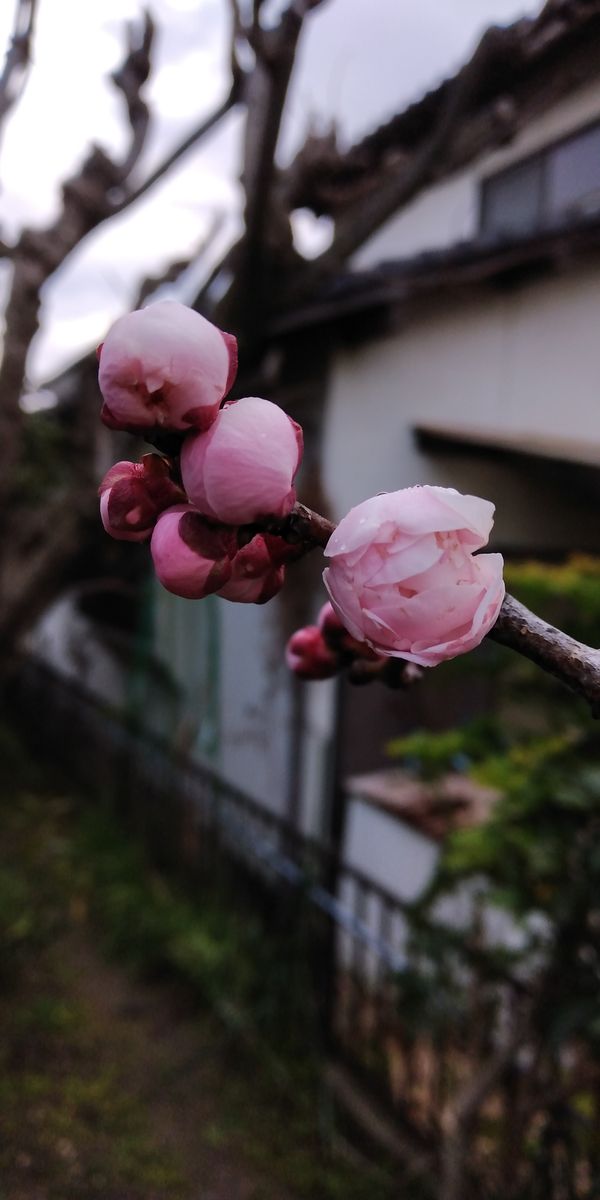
(559, 182)
(512, 202)
(574, 175)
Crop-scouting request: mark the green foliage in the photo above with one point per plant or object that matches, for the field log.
(567, 594)
(537, 857)
(258, 983)
(434, 754)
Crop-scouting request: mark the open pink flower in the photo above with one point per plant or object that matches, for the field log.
(243, 468)
(255, 578)
(308, 656)
(165, 365)
(403, 576)
(192, 558)
(133, 494)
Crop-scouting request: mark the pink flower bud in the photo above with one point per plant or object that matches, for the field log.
(242, 469)
(165, 366)
(281, 552)
(404, 579)
(337, 637)
(191, 557)
(254, 577)
(308, 657)
(133, 494)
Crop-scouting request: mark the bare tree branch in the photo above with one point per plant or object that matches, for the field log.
(175, 269)
(265, 95)
(33, 559)
(468, 1104)
(18, 56)
(178, 152)
(129, 78)
(39, 253)
(27, 591)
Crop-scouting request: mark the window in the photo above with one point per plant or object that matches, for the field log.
(574, 175)
(561, 181)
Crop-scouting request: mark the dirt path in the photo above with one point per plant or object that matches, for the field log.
(114, 1088)
(174, 1070)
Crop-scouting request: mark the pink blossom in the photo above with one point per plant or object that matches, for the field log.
(254, 576)
(404, 579)
(192, 558)
(166, 366)
(242, 469)
(133, 494)
(308, 656)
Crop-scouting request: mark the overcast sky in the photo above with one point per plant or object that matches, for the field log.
(360, 61)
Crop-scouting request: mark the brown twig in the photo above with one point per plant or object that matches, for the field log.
(303, 526)
(192, 139)
(576, 665)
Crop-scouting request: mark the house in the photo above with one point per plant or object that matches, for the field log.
(462, 337)
(459, 344)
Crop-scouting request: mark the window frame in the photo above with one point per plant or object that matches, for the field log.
(542, 155)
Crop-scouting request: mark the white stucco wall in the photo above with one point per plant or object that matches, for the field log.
(522, 361)
(439, 217)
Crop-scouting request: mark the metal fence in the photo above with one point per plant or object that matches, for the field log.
(353, 936)
(194, 820)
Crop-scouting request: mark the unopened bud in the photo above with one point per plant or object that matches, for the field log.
(192, 558)
(165, 366)
(309, 657)
(338, 639)
(243, 468)
(132, 495)
(254, 577)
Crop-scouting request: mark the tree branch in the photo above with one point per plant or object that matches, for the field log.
(39, 253)
(576, 665)
(178, 152)
(265, 94)
(18, 57)
(129, 78)
(174, 269)
(470, 1099)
